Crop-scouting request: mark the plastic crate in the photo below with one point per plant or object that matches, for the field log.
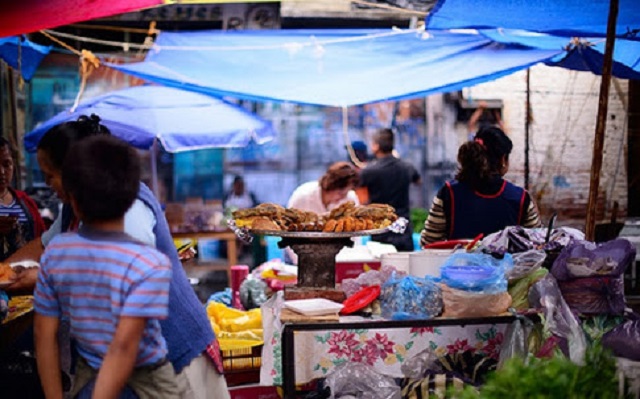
(242, 366)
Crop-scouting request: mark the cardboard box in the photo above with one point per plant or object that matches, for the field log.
(254, 392)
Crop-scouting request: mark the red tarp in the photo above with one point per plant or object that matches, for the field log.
(25, 16)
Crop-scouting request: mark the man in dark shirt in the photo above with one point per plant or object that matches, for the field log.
(388, 179)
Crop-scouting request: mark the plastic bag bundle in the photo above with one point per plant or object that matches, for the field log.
(519, 289)
(410, 297)
(558, 318)
(525, 263)
(253, 293)
(372, 277)
(586, 259)
(594, 295)
(460, 303)
(476, 272)
(624, 340)
(361, 381)
(515, 343)
(417, 366)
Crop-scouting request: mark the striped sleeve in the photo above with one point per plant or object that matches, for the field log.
(45, 301)
(149, 295)
(435, 227)
(531, 218)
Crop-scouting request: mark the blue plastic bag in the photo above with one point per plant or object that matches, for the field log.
(476, 272)
(409, 298)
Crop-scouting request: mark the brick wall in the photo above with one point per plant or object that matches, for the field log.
(564, 106)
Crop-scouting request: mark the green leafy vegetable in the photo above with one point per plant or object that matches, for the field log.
(555, 378)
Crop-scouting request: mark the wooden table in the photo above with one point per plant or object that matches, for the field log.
(226, 235)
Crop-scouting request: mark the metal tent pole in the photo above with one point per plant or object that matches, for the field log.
(154, 169)
(527, 125)
(601, 123)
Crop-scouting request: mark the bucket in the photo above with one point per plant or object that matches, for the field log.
(399, 260)
(427, 262)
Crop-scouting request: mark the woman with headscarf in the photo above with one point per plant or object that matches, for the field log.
(479, 200)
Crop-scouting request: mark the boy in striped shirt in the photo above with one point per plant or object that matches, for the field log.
(110, 287)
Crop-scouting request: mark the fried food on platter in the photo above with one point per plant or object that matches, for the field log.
(264, 223)
(345, 218)
(6, 273)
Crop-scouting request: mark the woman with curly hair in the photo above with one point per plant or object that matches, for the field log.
(479, 200)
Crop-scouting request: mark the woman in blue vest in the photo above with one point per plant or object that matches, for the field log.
(479, 200)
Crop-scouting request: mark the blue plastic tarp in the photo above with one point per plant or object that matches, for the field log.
(22, 54)
(586, 54)
(179, 119)
(329, 67)
(586, 18)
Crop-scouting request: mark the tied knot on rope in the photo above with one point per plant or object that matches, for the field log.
(88, 63)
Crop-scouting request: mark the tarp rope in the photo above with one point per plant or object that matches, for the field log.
(347, 140)
(88, 63)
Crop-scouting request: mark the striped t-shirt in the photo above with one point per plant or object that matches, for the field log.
(93, 278)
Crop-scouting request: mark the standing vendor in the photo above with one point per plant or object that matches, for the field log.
(479, 200)
(388, 180)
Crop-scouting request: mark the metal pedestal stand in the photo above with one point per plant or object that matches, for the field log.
(316, 266)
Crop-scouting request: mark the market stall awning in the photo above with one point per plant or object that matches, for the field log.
(584, 54)
(329, 67)
(558, 17)
(26, 16)
(179, 119)
(22, 55)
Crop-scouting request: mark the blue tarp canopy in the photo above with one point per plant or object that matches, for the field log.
(22, 55)
(583, 54)
(585, 18)
(329, 67)
(179, 119)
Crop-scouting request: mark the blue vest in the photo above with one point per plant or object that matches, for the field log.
(187, 330)
(471, 213)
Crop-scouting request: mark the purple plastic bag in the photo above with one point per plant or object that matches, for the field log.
(586, 259)
(624, 340)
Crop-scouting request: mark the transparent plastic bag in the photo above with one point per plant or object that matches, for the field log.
(558, 318)
(525, 263)
(476, 272)
(361, 381)
(417, 366)
(410, 297)
(514, 344)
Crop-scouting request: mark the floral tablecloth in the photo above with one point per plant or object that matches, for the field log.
(318, 352)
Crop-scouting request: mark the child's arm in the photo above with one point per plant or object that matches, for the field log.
(47, 355)
(120, 359)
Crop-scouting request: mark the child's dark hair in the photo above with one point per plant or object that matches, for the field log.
(57, 140)
(482, 158)
(102, 175)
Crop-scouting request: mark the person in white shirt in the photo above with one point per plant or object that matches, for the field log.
(332, 189)
(335, 187)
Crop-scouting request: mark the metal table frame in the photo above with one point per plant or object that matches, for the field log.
(290, 329)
